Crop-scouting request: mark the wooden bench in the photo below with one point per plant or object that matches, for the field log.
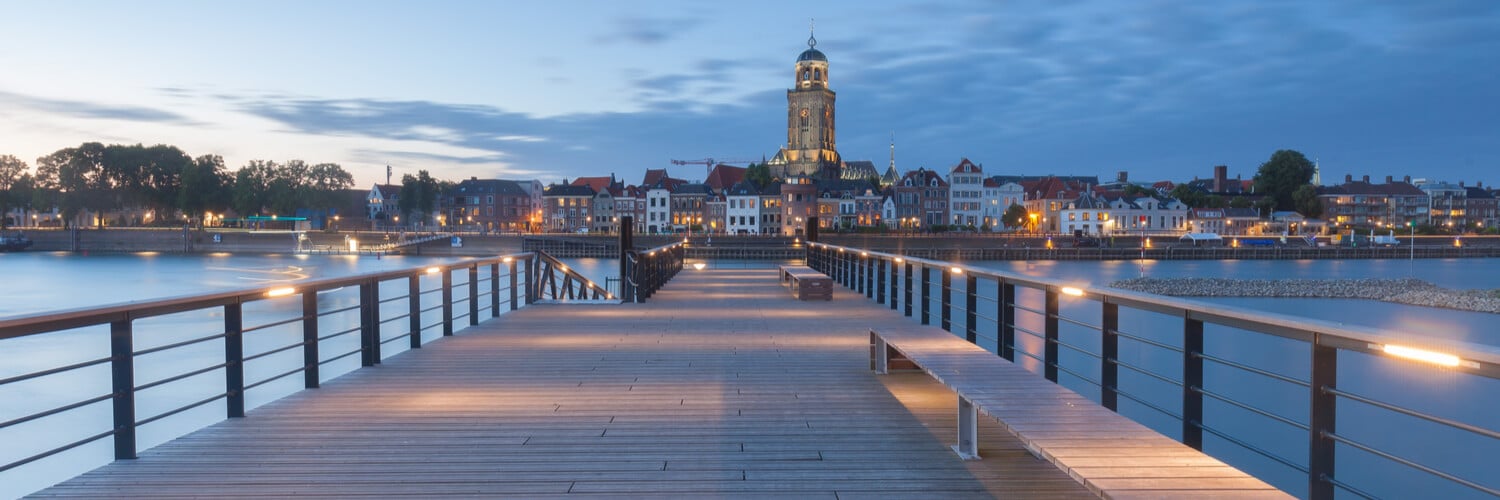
(1113, 456)
(806, 283)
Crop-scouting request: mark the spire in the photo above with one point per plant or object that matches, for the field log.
(812, 42)
(893, 150)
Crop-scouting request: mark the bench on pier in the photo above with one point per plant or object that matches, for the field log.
(1110, 454)
(806, 283)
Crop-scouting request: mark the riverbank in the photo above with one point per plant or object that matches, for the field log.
(1408, 291)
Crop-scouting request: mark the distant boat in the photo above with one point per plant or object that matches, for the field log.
(14, 243)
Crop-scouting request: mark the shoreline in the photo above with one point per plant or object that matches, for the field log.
(1408, 291)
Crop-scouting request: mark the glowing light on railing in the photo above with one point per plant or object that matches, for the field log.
(900, 260)
(841, 250)
(507, 260)
(562, 268)
(864, 254)
(280, 292)
(433, 270)
(699, 265)
(1068, 290)
(957, 270)
(1413, 353)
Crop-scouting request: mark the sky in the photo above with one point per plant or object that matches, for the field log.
(1163, 89)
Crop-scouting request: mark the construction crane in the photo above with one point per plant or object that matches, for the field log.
(709, 163)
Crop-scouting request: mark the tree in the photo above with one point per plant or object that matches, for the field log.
(1281, 175)
(80, 180)
(325, 183)
(204, 187)
(1014, 216)
(12, 175)
(1240, 202)
(252, 186)
(419, 194)
(758, 174)
(1305, 199)
(1188, 195)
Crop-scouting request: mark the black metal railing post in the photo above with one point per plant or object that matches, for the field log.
(1007, 303)
(906, 294)
(627, 256)
(1192, 382)
(880, 280)
(414, 310)
(1109, 349)
(1321, 422)
(862, 266)
(234, 358)
(122, 381)
(473, 294)
(447, 302)
(893, 283)
(1049, 347)
(947, 300)
(971, 300)
(367, 324)
(494, 289)
(311, 375)
(375, 344)
(531, 279)
(926, 295)
(513, 280)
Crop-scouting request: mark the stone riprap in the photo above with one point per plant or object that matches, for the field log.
(1402, 291)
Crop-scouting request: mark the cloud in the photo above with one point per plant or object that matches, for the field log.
(81, 109)
(647, 30)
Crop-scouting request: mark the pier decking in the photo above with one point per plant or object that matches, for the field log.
(720, 386)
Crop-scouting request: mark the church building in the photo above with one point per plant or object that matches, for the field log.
(810, 150)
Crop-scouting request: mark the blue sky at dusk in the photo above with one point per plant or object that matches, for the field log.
(553, 90)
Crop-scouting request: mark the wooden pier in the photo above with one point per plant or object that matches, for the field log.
(720, 386)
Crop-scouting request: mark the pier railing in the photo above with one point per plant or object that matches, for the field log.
(1075, 331)
(489, 286)
(643, 272)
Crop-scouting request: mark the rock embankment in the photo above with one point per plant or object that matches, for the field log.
(1402, 291)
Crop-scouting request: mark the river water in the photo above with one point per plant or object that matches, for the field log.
(47, 281)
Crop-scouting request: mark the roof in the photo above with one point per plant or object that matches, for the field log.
(742, 188)
(965, 166)
(1052, 188)
(723, 176)
(693, 189)
(812, 54)
(860, 169)
(598, 184)
(388, 190)
(1478, 192)
(1092, 180)
(1365, 188)
(488, 186)
(923, 177)
(569, 190)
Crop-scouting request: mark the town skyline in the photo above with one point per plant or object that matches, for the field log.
(498, 92)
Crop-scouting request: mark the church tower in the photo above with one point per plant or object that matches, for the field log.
(810, 148)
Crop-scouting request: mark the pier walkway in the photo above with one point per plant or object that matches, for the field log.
(720, 386)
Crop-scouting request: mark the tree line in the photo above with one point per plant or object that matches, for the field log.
(101, 178)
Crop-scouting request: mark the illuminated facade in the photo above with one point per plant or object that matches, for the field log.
(811, 150)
